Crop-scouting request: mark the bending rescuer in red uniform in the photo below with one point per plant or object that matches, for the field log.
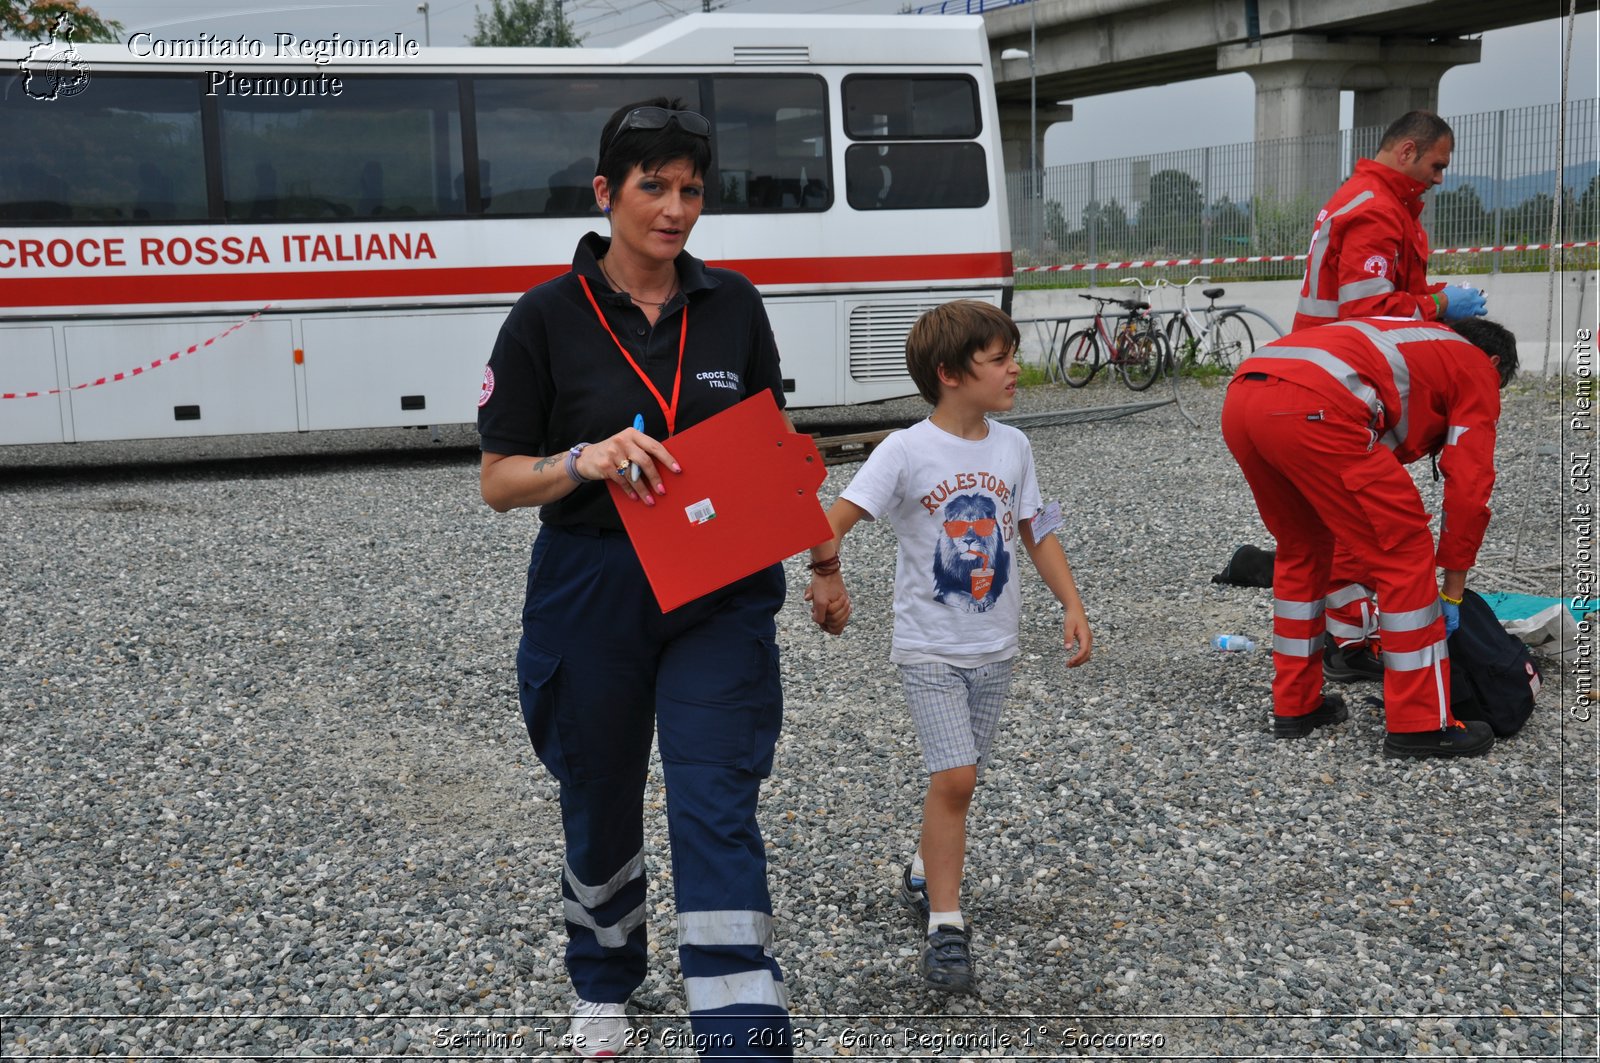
(1322, 423)
(1369, 258)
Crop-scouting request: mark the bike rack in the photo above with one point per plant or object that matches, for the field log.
(1052, 418)
(1055, 323)
(1049, 332)
(1253, 312)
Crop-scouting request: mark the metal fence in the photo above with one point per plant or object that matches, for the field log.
(1261, 198)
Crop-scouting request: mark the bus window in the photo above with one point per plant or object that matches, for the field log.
(384, 148)
(915, 176)
(129, 148)
(771, 144)
(539, 137)
(910, 108)
(921, 152)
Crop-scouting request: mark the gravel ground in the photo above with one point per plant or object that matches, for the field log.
(267, 791)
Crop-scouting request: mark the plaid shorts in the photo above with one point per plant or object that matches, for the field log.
(956, 710)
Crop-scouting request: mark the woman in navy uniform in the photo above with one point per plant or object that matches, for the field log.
(639, 326)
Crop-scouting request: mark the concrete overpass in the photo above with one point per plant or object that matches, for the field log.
(1301, 53)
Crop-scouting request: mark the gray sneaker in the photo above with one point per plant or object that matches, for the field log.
(915, 898)
(947, 961)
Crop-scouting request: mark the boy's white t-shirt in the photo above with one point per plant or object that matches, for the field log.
(954, 505)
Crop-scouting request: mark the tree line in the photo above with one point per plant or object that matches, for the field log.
(1175, 220)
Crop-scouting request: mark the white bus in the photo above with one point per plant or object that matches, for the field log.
(354, 228)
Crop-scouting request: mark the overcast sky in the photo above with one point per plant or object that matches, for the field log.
(1521, 66)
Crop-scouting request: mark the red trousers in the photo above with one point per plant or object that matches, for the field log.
(1318, 476)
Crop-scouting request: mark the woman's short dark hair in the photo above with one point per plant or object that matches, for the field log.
(1494, 339)
(648, 149)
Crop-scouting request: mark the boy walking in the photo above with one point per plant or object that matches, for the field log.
(960, 493)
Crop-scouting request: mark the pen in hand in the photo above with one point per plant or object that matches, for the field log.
(633, 466)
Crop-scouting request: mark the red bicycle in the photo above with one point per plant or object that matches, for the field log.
(1137, 349)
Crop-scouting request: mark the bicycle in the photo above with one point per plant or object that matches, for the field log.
(1222, 340)
(1137, 351)
(1149, 290)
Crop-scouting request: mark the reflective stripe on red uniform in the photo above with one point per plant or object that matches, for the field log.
(1348, 608)
(1369, 254)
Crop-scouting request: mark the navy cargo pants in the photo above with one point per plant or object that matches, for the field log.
(602, 669)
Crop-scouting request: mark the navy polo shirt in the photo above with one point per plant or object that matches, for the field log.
(555, 378)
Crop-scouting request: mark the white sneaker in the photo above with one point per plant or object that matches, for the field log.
(599, 1030)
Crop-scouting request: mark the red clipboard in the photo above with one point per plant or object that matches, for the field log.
(746, 499)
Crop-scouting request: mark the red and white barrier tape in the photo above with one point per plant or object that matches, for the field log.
(1512, 247)
(1154, 262)
(1141, 263)
(137, 370)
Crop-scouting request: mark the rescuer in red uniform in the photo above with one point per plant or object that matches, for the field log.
(1369, 253)
(1322, 423)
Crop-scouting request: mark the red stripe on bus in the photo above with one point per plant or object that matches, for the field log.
(205, 288)
(188, 289)
(874, 269)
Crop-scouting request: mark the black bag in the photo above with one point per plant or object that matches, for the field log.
(1493, 677)
(1250, 566)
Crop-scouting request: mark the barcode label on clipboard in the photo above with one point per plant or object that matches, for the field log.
(700, 512)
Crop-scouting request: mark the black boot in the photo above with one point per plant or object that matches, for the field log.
(1351, 664)
(1331, 711)
(1468, 738)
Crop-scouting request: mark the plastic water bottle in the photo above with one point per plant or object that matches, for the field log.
(1232, 643)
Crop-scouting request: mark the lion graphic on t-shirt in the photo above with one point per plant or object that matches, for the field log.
(970, 564)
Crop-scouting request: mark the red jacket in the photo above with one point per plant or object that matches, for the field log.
(1369, 254)
(1423, 390)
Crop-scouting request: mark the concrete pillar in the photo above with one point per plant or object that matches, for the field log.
(1405, 78)
(1017, 122)
(1298, 80)
(1379, 107)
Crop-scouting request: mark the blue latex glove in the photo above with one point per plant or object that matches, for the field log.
(1463, 301)
(1452, 616)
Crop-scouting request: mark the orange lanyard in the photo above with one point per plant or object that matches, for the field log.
(669, 411)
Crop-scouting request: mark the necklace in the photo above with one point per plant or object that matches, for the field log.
(662, 305)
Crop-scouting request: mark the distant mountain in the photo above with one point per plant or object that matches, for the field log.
(1515, 190)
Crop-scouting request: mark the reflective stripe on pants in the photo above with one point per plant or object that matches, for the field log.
(1352, 614)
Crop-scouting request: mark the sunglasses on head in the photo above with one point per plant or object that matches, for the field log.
(692, 122)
